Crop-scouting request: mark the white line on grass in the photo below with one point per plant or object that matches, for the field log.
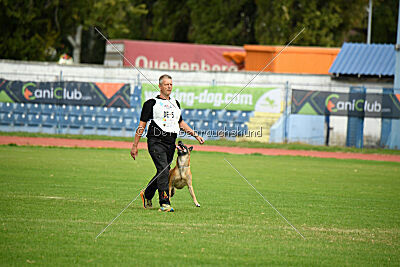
(266, 200)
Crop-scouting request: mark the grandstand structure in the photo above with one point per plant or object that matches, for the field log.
(115, 118)
(113, 121)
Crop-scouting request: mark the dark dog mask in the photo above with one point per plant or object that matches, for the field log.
(182, 149)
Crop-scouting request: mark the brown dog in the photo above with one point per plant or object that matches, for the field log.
(181, 174)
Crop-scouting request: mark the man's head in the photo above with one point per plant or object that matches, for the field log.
(165, 85)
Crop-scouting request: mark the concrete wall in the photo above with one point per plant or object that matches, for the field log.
(42, 71)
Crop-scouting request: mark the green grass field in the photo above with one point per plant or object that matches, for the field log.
(54, 201)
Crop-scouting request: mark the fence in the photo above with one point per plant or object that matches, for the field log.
(260, 121)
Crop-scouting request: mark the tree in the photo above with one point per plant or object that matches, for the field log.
(43, 29)
(326, 23)
(28, 30)
(39, 30)
(108, 15)
(171, 21)
(384, 21)
(222, 22)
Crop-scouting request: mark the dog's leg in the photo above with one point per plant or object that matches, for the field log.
(170, 183)
(191, 191)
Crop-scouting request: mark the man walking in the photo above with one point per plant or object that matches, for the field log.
(164, 112)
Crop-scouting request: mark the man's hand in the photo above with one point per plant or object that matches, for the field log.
(134, 152)
(200, 139)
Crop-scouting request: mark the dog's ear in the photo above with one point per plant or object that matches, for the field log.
(190, 148)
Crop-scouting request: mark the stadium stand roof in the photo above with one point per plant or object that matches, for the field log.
(365, 60)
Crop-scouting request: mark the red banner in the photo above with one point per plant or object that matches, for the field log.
(176, 56)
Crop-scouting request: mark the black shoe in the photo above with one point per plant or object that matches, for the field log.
(147, 204)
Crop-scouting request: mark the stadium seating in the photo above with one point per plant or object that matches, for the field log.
(30, 108)
(48, 109)
(7, 119)
(34, 120)
(7, 107)
(115, 121)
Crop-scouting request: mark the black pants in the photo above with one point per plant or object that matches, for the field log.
(162, 154)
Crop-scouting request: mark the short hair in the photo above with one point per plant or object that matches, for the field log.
(162, 77)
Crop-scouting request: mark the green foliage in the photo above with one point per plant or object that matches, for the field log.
(171, 21)
(35, 30)
(27, 29)
(222, 22)
(384, 21)
(54, 201)
(326, 23)
(38, 30)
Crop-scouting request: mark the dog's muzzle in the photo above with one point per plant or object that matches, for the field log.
(182, 149)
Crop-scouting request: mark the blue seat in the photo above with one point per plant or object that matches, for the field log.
(19, 108)
(89, 110)
(102, 125)
(64, 120)
(34, 108)
(131, 112)
(48, 109)
(103, 111)
(7, 107)
(118, 112)
(7, 119)
(77, 122)
(231, 126)
(243, 116)
(117, 123)
(102, 122)
(135, 100)
(89, 122)
(75, 110)
(228, 115)
(207, 125)
(190, 114)
(220, 125)
(62, 109)
(111, 111)
(131, 124)
(34, 120)
(127, 113)
(212, 115)
(58, 110)
(202, 114)
(49, 120)
(73, 121)
(186, 114)
(20, 119)
(73, 124)
(197, 114)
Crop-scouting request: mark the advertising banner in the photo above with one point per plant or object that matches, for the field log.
(68, 93)
(173, 56)
(216, 97)
(345, 104)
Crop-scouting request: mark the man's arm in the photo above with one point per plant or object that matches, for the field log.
(139, 131)
(183, 125)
